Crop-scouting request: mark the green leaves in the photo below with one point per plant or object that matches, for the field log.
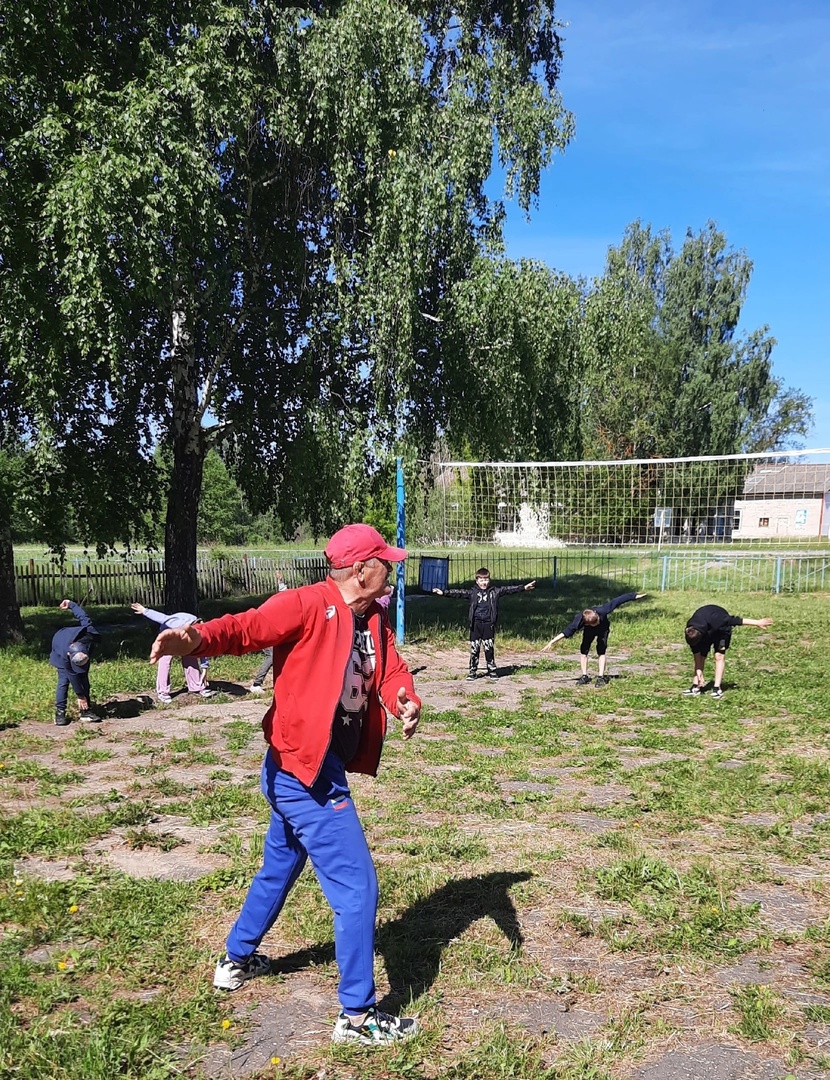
(666, 374)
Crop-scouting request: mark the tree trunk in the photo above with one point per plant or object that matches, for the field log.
(11, 625)
(183, 496)
(180, 524)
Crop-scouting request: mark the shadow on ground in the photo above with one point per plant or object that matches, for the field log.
(413, 944)
(126, 708)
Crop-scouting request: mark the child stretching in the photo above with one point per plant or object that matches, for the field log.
(595, 626)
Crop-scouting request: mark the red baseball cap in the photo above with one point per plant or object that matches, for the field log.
(355, 543)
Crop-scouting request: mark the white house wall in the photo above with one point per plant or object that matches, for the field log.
(800, 517)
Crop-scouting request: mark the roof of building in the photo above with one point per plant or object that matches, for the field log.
(772, 479)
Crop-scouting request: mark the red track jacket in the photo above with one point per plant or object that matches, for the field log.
(311, 630)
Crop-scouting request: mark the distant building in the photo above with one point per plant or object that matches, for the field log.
(782, 500)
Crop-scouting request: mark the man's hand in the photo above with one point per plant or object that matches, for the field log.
(438, 592)
(409, 713)
(764, 623)
(530, 585)
(64, 604)
(139, 609)
(640, 595)
(179, 642)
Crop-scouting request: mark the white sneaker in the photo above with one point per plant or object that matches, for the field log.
(378, 1027)
(256, 688)
(165, 699)
(230, 975)
(207, 692)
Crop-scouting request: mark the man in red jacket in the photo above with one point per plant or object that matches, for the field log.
(336, 675)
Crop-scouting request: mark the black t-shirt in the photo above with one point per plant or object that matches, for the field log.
(351, 709)
(483, 612)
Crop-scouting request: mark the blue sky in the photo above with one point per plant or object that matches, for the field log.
(689, 110)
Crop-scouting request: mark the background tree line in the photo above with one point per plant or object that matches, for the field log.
(263, 231)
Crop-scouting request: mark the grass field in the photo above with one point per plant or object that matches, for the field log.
(576, 883)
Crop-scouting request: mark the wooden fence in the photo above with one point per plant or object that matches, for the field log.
(102, 581)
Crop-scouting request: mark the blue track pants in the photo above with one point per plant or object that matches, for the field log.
(319, 823)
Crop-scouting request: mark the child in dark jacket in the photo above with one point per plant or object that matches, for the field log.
(595, 626)
(72, 648)
(484, 617)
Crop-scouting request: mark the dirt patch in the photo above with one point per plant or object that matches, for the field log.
(281, 1023)
(590, 823)
(45, 869)
(782, 910)
(714, 1062)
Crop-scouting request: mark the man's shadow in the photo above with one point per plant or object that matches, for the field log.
(412, 944)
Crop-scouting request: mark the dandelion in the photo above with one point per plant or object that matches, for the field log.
(392, 153)
(72, 909)
(62, 965)
(275, 1061)
(226, 1024)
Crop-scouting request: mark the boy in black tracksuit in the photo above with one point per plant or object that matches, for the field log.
(72, 648)
(595, 626)
(484, 616)
(711, 628)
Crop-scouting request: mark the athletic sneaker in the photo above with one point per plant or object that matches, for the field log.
(471, 677)
(717, 692)
(207, 692)
(165, 699)
(583, 680)
(256, 688)
(89, 717)
(230, 976)
(378, 1027)
(492, 674)
(693, 691)
(60, 718)
(603, 680)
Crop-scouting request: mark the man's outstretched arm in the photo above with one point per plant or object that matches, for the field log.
(179, 642)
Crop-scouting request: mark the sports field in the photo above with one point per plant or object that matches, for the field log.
(576, 882)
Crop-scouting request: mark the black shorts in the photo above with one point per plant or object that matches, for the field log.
(591, 634)
(719, 643)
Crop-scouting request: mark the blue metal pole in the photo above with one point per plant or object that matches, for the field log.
(400, 540)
